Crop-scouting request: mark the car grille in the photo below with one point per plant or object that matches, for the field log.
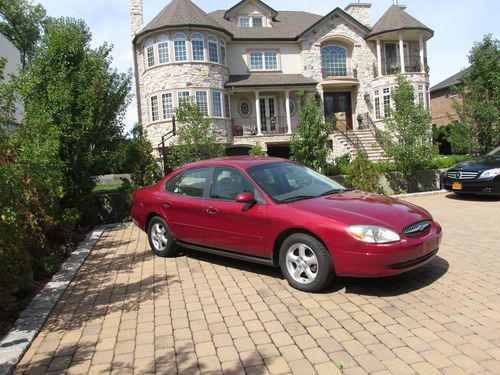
(461, 175)
(417, 229)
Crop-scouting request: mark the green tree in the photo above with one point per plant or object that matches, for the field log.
(71, 86)
(196, 140)
(22, 23)
(407, 137)
(309, 145)
(480, 92)
(362, 175)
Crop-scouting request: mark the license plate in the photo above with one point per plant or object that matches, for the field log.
(456, 186)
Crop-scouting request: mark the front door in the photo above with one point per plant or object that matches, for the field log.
(268, 114)
(336, 102)
(233, 226)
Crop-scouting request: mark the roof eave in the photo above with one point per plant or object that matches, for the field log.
(372, 35)
(187, 25)
(238, 86)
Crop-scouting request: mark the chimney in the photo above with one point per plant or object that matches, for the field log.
(136, 17)
(361, 12)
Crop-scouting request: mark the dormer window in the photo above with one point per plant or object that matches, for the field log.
(251, 21)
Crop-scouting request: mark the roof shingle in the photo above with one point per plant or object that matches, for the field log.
(396, 19)
(269, 79)
(454, 80)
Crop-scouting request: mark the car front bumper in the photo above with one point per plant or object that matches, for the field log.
(476, 186)
(378, 260)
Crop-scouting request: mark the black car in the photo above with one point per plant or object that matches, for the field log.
(477, 176)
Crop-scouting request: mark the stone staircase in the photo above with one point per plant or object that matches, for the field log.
(362, 139)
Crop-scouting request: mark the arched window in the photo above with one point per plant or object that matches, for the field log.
(213, 55)
(334, 61)
(180, 47)
(150, 52)
(222, 52)
(163, 49)
(198, 46)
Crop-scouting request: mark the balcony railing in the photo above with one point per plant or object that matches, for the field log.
(393, 65)
(269, 125)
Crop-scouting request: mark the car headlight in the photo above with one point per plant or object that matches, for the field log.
(490, 173)
(372, 234)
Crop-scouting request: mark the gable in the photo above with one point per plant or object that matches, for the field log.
(250, 6)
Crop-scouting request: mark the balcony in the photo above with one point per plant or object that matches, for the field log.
(393, 65)
(269, 126)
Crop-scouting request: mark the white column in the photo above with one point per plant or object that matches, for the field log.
(257, 113)
(422, 55)
(288, 115)
(401, 53)
(379, 59)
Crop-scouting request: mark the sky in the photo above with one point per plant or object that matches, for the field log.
(457, 24)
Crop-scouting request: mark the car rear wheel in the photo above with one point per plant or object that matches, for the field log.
(159, 237)
(306, 263)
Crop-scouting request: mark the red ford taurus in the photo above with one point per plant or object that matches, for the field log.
(276, 212)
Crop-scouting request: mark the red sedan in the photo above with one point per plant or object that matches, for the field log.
(275, 212)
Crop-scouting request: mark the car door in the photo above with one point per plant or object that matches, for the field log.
(183, 205)
(233, 226)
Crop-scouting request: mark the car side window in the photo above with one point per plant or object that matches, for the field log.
(191, 183)
(227, 183)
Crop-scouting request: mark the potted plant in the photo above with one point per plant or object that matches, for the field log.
(238, 130)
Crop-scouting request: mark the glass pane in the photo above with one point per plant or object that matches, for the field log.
(216, 104)
(263, 114)
(256, 61)
(198, 53)
(167, 106)
(334, 61)
(192, 183)
(257, 21)
(270, 60)
(202, 102)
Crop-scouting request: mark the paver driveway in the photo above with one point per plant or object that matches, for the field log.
(128, 311)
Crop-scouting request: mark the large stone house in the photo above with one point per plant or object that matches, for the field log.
(245, 65)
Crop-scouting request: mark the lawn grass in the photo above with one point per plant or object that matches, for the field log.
(107, 188)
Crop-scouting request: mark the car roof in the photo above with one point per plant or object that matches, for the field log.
(240, 161)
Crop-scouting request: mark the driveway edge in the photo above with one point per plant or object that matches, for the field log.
(31, 320)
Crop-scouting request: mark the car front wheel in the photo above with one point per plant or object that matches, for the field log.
(306, 263)
(159, 237)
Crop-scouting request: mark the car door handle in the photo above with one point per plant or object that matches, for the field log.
(166, 204)
(212, 211)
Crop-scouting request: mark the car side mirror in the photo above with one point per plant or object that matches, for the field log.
(245, 198)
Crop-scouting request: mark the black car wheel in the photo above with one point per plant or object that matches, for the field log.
(306, 263)
(159, 237)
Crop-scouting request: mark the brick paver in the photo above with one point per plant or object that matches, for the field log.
(128, 311)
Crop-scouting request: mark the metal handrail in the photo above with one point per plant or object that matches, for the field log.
(170, 134)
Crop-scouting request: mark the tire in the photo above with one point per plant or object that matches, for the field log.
(160, 239)
(302, 252)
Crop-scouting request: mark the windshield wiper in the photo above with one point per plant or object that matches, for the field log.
(333, 191)
(296, 198)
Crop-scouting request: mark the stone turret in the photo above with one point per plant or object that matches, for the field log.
(360, 11)
(136, 17)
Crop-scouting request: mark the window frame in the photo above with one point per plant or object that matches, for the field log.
(242, 18)
(376, 104)
(227, 105)
(213, 94)
(194, 38)
(213, 47)
(263, 60)
(223, 56)
(244, 100)
(178, 95)
(177, 47)
(153, 102)
(164, 112)
(334, 64)
(203, 110)
(149, 49)
(163, 41)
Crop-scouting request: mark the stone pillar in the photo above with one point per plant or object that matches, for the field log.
(379, 59)
(136, 17)
(257, 113)
(287, 109)
(422, 56)
(401, 53)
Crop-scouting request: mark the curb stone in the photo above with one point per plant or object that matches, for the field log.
(31, 320)
(424, 193)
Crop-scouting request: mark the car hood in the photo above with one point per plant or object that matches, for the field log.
(360, 208)
(479, 164)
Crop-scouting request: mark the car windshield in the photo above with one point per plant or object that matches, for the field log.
(494, 152)
(286, 182)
